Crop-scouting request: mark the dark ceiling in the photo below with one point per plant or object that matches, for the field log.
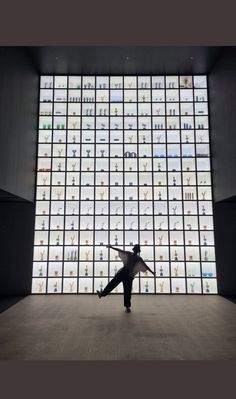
(124, 60)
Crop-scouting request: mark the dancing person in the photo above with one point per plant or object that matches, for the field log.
(133, 264)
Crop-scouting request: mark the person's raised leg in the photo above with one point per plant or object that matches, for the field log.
(111, 285)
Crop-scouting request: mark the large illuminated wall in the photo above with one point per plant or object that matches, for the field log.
(123, 160)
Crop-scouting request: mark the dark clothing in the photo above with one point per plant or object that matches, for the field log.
(121, 276)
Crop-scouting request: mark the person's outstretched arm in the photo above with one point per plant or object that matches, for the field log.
(115, 249)
(148, 268)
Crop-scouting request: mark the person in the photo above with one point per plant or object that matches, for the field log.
(133, 264)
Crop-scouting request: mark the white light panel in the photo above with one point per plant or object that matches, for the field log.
(124, 160)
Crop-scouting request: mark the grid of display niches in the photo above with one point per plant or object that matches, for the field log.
(124, 160)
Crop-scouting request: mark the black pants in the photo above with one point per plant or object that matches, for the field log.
(121, 276)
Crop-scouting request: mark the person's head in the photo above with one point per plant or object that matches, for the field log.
(136, 249)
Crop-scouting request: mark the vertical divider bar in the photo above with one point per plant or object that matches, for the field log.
(138, 188)
(65, 190)
(50, 194)
(196, 175)
(182, 183)
(124, 164)
(36, 200)
(153, 184)
(109, 177)
(94, 185)
(167, 183)
(209, 142)
(79, 187)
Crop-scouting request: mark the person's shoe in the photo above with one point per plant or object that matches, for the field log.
(99, 294)
(128, 310)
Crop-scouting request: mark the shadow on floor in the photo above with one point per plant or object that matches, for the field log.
(230, 298)
(7, 302)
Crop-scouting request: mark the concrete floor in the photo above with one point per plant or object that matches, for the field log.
(86, 328)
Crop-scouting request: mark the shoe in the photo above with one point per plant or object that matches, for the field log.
(128, 310)
(99, 294)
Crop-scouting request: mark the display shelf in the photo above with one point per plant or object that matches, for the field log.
(123, 159)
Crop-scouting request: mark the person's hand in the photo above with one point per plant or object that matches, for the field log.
(108, 245)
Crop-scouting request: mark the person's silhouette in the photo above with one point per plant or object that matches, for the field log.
(133, 264)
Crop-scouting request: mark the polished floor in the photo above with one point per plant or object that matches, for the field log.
(86, 328)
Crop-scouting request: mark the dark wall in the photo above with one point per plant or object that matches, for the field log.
(225, 240)
(16, 238)
(222, 96)
(19, 83)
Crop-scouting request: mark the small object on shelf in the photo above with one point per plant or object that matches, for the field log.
(205, 256)
(72, 240)
(146, 287)
(160, 240)
(204, 240)
(188, 180)
(74, 153)
(161, 285)
(117, 224)
(87, 253)
(44, 195)
(58, 240)
(204, 195)
(40, 287)
(145, 195)
(176, 269)
(177, 289)
(71, 273)
(40, 271)
(145, 210)
(175, 224)
(86, 270)
(174, 181)
(174, 209)
(131, 225)
(116, 240)
(71, 286)
(175, 256)
(207, 287)
(175, 242)
(43, 225)
(159, 196)
(72, 225)
(42, 255)
(145, 167)
(55, 287)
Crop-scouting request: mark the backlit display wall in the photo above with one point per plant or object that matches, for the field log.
(123, 160)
